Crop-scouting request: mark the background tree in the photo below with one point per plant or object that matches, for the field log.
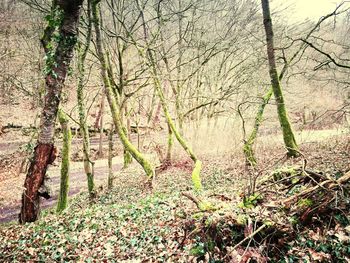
(288, 135)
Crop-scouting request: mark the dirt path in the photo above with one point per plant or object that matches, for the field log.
(7, 147)
(78, 182)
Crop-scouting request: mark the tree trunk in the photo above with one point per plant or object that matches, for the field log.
(110, 158)
(65, 164)
(196, 180)
(169, 146)
(57, 67)
(127, 130)
(115, 110)
(288, 135)
(101, 112)
(248, 144)
(81, 106)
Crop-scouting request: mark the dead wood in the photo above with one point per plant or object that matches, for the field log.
(328, 184)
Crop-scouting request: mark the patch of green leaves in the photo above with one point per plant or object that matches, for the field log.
(250, 201)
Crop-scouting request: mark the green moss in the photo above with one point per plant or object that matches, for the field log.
(196, 179)
(207, 206)
(91, 184)
(250, 201)
(170, 144)
(284, 172)
(288, 134)
(249, 153)
(305, 202)
(65, 165)
(127, 155)
(248, 145)
(115, 110)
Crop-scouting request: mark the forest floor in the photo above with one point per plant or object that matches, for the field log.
(132, 223)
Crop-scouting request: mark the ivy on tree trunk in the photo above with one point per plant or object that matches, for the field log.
(64, 19)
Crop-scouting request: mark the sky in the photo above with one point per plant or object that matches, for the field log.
(305, 9)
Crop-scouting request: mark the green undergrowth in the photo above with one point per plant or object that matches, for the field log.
(168, 228)
(133, 224)
(105, 231)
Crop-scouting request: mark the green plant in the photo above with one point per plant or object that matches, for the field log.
(250, 201)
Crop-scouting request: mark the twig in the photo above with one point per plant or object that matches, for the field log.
(192, 198)
(221, 196)
(245, 239)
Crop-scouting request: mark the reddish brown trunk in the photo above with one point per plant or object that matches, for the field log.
(44, 151)
(43, 156)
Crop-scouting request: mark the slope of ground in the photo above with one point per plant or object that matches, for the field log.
(133, 224)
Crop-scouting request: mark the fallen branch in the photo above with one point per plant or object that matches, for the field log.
(202, 205)
(195, 200)
(329, 184)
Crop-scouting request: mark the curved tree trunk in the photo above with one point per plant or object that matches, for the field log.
(57, 68)
(196, 179)
(248, 144)
(115, 110)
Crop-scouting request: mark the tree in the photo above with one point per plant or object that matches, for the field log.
(65, 165)
(288, 135)
(83, 50)
(113, 103)
(249, 143)
(60, 37)
(150, 58)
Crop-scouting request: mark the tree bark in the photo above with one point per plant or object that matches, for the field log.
(65, 164)
(288, 135)
(110, 158)
(102, 111)
(115, 110)
(248, 145)
(44, 153)
(88, 164)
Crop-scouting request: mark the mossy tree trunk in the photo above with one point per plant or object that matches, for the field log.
(196, 180)
(248, 145)
(288, 135)
(83, 50)
(169, 146)
(65, 164)
(110, 158)
(114, 107)
(198, 164)
(66, 15)
(119, 88)
(127, 157)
